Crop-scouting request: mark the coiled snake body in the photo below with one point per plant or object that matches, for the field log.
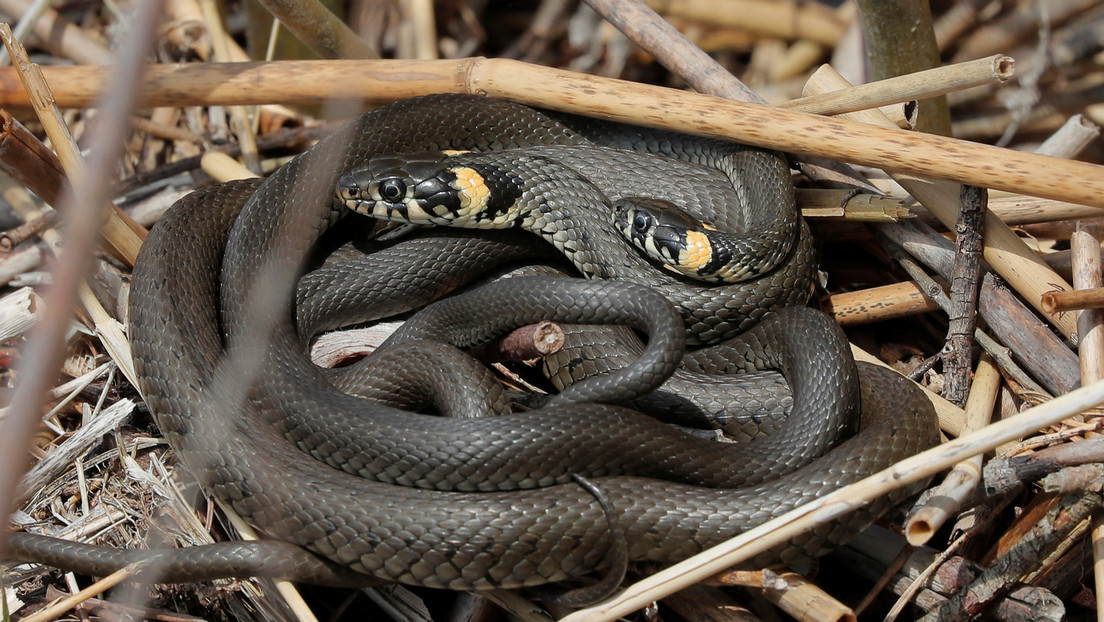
(443, 502)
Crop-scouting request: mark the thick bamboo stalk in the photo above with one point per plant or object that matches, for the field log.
(793, 523)
(919, 85)
(312, 82)
(1004, 250)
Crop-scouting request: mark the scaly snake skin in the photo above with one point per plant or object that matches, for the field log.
(426, 519)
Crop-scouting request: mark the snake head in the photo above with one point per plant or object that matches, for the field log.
(414, 188)
(674, 238)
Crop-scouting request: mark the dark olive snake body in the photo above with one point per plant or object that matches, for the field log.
(413, 502)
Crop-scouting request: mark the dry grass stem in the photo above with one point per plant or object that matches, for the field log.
(1075, 134)
(321, 30)
(913, 86)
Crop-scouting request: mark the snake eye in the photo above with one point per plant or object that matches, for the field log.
(640, 221)
(392, 189)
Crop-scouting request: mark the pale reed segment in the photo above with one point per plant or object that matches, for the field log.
(876, 304)
(963, 479)
(1090, 322)
(1073, 299)
(804, 600)
(802, 519)
(919, 85)
(224, 168)
(1021, 210)
(850, 205)
(783, 19)
(1004, 250)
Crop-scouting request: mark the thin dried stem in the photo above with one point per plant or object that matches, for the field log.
(919, 85)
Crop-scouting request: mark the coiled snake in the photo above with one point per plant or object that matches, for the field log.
(449, 502)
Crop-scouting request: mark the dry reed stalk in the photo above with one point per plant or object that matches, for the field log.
(224, 168)
(783, 19)
(239, 118)
(1021, 210)
(19, 261)
(1075, 134)
(1004, 250)
(955, 21)
(321, 30)
(877, 304)
(850, 205)
(124, 235)
(423, 29)
(796, 62)
(28, 161)
(1023, 22)
(1090, 322)
(920, 85)
(1074, 300)
(703, 603)
(164, 131)
(919, 154)
(803, 600)
(673, 50)
(19, 310)
(792, 524)
(62, 37)
(886, 27)
(963, 479)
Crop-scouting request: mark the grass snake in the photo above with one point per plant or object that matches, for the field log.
(410, 502)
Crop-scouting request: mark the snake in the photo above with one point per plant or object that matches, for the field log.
(451, 502)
